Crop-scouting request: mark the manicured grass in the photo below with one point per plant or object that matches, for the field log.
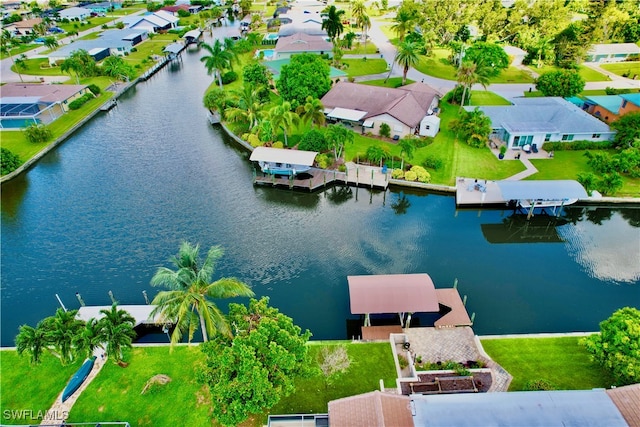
(360, 67)
(588, 74)
(359, 48)
(27, 387)
(568, 164)
(392, 82)
(562, 361)
(370, 362)
(16, 51)
(115, 393)
(437, 65)
(510, 75)
(97, 21)
(620, 68)
(39, 67)
(483, 97)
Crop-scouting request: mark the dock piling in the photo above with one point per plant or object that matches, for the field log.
(146, 298)
(61, 304)
(113, 300)
(455, 283)
(473, 317)
(80, 300)
(464, 300)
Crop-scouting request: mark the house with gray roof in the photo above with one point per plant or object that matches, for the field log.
(613, 52)
(22, 104)
(407, 110)
(75, 13)
(535, 121)
(110, 43)
(152, 22)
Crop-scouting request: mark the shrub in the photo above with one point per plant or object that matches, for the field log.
(402, 361)
(385, 130)
(313, 140)
(421, 174)
(433, 163)
(37, 133)
(539, 384)
(397, 174)
(278, 144)
(324, 161)
(410, 176)
(577, 145)
(252, 139)
(79, 102)
(461, 371)
(9, 161)
(94, 89)
(342, 168)
(229, 77)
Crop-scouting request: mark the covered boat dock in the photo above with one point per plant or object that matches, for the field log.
(141, 313)
(550, 193)
(279, 161)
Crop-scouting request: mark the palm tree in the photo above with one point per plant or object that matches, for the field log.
(407, 57)
(88, 339)
(312, 111)
(116, 331)
(215, 101)
(337, 136)
(365, 23)
(376, 154)
(407, 148)
(190, 287)
(358, 9)
(333, 23)
(5, 47)
(230, 46)
(61, 331)
(469, 74)
(248, 106)
(404, 23)
(217, 60)
(282, 117)
(50, 42)
(32, 341)
(70, 64)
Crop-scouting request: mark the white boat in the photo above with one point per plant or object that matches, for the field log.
(279, 161)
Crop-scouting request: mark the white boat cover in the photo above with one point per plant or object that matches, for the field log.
(542, 190)
(282, 155)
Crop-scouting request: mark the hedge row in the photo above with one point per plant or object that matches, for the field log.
(577, 145)
(77, 103)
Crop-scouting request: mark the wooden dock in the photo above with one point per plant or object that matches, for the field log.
(458, 315)
(478, 192)
(379, 333)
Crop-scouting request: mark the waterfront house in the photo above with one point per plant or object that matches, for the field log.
(534, 121)
(103, 7)
(611, 107)
(613, 52)
(153, 22)
(75, 13)
(173, 10)
(22, 104)
(24, 27)
(110, 43)
(408, 110)
(302, 43)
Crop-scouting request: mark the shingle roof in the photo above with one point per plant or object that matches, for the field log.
(45, 93)
(627, 400)
(301, 42)
(613, 48)
(546, 114)
(375, 409)
(610, 102)
(408, 104)
(633, 98)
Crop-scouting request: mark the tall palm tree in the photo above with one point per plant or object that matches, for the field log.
(230, 46)
(248, 106)
(218, 59)
(407, 148)
(116, 331)
(50, 42)
(187, 301)
(358, 9)
(404, 22)
(88, 339)
(407, 57)
(61, 330)
(282, 117)
(32, 341)
(364, 22)
(5, 47)
(469, 74)
(337, 136)
(333, 23)
(312, 111)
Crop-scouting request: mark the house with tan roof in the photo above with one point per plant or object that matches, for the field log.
(407, 110)
(302, 43)
(23, 28)
(22, 104)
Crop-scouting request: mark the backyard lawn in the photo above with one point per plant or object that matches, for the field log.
(359, 67)
(622, 68)
(588, 74)
(484, 97)
(27, 387)
(560, 361)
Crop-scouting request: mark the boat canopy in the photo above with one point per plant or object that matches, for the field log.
(194, 34)
(142, 314)
(174, 48)
(542, 190)
(282, 155)
(392, 293)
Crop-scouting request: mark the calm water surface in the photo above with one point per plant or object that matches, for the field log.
(113, 203)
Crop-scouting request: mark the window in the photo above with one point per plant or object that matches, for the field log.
(624, 103)
(547, 137)
(595, 135)
(521, 140)
(427, 127)
(567, 137)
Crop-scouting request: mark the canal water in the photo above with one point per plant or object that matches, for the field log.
(109, 206)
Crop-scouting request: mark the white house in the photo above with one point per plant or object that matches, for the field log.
(403, 109)
(152, 22)
(77, 13)
(613, 52)
(535, 121)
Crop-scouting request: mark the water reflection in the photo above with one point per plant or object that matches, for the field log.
(401, 204)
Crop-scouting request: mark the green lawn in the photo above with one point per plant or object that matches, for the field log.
(27, 387)
(360, 67)
(359, 48)
(115, 393)
(621, 68)
(97, 21)
(568, 164)
(16, 51)
(483, 97)
(588, 74)
(561, 361)
(392, 82)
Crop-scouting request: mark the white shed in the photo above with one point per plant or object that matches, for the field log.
(429, 126)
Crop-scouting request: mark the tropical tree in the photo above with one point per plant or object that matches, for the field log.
(116, 67)
(60, 332)
(377, 154)
(489, 56)
(364, 22)
(248, 106)
(217, 60)
(116, 331)
(305, 75)
(407, 57)
(88, 339)
(474, 127)
(337, 136)
(563, 83)
(407, 148)
(628, 130)
(404, 22)
(282, 117)
(81, 63)
(50, 42)
(312, 112)
(469, 74)
(215, 100)
(5, 47)
(229, 45)
(187, 302)
(358, 9)
(32, 341)
(333, 23)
